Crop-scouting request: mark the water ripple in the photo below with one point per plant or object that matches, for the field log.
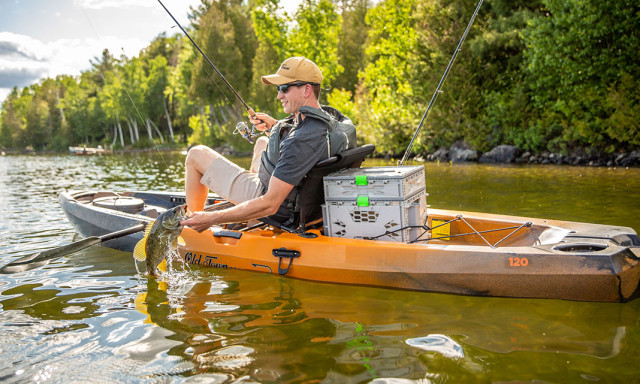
(88, 317)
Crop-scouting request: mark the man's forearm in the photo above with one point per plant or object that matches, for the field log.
(251, 209)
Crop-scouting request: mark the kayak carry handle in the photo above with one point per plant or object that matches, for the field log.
(284, 253)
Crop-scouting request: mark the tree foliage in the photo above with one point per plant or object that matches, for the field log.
(540, 74)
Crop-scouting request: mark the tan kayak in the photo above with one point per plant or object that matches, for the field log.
(459, 252)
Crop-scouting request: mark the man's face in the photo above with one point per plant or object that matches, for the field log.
(293, 98)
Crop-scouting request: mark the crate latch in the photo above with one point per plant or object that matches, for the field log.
(361, 180)
(284, 253)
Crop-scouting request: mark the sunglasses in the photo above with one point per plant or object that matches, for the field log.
(284, 88)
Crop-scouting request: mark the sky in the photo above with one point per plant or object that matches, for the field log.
(46, 38)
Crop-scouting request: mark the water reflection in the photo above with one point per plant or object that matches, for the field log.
(371, 333)
(91, 312)
(235, 324)
(438, 343)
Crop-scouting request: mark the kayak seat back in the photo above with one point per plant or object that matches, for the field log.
(307, 204)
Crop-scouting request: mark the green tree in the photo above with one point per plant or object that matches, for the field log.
(386, 112)
(11, 124)
(216, 36)
(352, 42)
(577, 52)
(64, 137)
(315, 36)
(79, 105)
(155, 85)
(38, 127)
(497, 53)
(132, 94)
(177, 91)
(270, 26)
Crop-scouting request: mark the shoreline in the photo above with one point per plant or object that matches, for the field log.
(457, 153)
(509, 154)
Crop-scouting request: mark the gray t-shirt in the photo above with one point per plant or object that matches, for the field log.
(304, 147)
(292, 154)
(299, 150)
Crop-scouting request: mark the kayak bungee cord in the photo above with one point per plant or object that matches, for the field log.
(437, 91)
(241, 127)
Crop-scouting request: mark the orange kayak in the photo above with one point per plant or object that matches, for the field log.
(462, 253)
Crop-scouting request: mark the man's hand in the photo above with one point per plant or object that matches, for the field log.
(199, 221)
(262, 121)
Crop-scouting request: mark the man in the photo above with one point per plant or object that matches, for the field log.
(295, 145)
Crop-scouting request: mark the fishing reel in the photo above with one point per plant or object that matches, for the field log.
(243, 130)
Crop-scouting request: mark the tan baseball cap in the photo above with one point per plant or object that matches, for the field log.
(295, 69)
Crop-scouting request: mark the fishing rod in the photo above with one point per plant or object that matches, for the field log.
(241, 127)
(444, 76)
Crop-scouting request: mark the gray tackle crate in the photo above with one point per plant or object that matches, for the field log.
(396, 183)
(363, 217)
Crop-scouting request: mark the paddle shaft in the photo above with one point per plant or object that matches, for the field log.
(122, 233)
(45, 257)
(42, 258)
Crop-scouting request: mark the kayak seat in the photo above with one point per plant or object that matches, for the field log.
(307, 203)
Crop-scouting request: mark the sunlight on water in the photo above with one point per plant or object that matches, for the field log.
(438, 343)
(91, 317)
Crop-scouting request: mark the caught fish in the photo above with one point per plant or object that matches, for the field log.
(160, 239)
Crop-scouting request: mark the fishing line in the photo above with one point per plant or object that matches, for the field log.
(241, 127)
(124, 87)
(207, 58)
(214, 81)
(437, 91)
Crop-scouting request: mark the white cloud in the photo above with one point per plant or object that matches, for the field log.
(19, 46)
(24, 60)
(100, 4)
(20, 74)
(4, 92)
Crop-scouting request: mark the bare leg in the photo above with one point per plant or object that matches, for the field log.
(258, 148)
(198, 160)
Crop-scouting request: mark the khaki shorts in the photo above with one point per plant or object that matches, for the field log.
(231, 182)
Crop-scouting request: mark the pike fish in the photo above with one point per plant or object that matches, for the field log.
(161, 238)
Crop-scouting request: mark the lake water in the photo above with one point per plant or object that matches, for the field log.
(90, 317)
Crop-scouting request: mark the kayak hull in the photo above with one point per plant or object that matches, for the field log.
(563, 260)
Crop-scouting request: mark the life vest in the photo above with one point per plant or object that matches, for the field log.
(341, 135)
(342, 131)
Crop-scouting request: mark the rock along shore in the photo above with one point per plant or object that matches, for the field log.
(509, 154)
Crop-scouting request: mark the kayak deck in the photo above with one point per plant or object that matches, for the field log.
(461, 252)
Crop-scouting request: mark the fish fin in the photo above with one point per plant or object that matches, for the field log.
(147, 230)
(163, 266)
(139, 252)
